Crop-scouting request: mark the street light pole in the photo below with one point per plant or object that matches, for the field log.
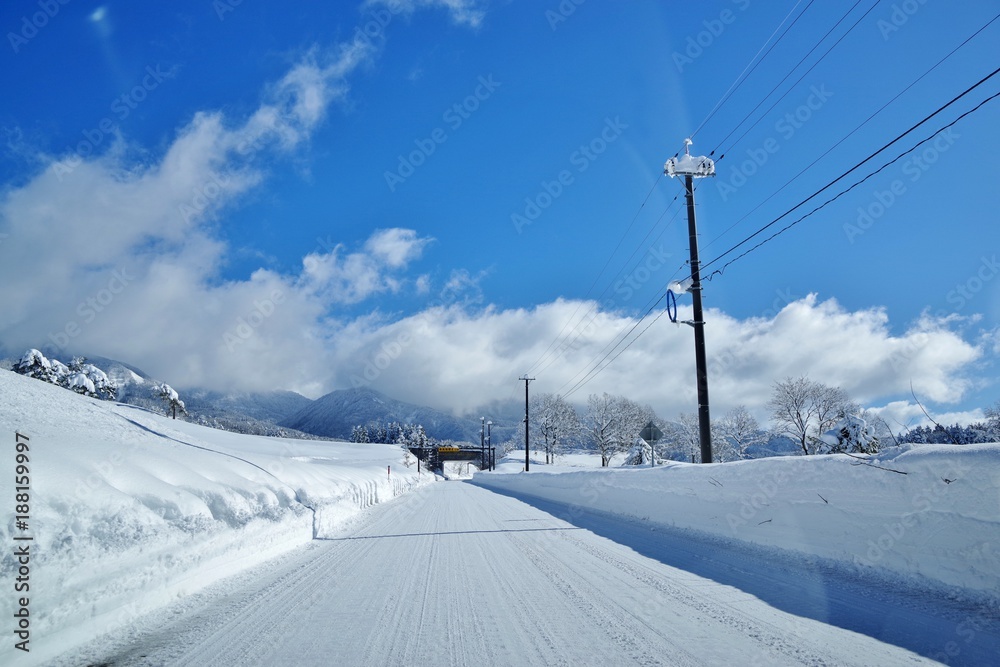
(690, 168)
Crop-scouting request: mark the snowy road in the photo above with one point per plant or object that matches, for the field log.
(453, 574)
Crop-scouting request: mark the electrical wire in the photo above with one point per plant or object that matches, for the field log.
(852, 132)
(797, 81)
(635, 217)
(734, 86)
(843, 192)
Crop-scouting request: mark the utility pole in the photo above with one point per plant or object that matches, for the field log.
(489, 443)
(527, 462)
(482, 442)
(690, 168)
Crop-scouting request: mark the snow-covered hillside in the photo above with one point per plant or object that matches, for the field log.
(130, 509)
(926, 512)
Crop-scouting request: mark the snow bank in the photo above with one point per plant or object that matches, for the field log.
(939, 521)
(130, 510)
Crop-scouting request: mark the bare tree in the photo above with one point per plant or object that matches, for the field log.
(742, 430)
(803, 410)
(600, 422)
(556, 422)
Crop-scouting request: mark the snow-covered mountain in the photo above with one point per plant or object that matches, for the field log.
(268, 406)
(253, 413)
(335, 414)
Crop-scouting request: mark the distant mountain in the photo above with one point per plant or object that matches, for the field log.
(335, 414)
(269, 406)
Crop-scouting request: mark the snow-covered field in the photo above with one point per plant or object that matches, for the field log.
(928, 512)
(130, 510)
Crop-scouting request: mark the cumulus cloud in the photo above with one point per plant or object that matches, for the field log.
(118, 256)
(458, 360)
(350, 278)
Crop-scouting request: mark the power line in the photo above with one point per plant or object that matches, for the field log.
(593, 372)
(561, 342)
(739, 81)
(597, 278)
(582, 383)
(596, 368)
(852, 132)
(614, 343)
(797, 81)
(843, 192)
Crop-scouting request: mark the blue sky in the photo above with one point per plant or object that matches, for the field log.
(430, 196)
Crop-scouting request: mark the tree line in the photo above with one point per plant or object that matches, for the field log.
(818, 418)
(392, 433)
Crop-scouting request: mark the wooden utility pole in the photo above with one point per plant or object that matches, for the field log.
(690, 168)
(527, 462)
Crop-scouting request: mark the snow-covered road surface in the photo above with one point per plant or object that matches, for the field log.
(453, 574)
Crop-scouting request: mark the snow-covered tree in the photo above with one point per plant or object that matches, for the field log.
(741, 430)
(804, 410)
(359, 434)
(555, 421)
(993, 422)
(90, 380)
(172, 399)
(849, 435)
(416, 436)
(34, 364)
(603, 423)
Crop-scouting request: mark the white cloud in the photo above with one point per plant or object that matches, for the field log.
(395, 247)
(459, 360)
(463, 12)
(904, 415)
(118, 257)
(350, 278)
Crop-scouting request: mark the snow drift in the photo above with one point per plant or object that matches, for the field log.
(929, 512)
(130, 509)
